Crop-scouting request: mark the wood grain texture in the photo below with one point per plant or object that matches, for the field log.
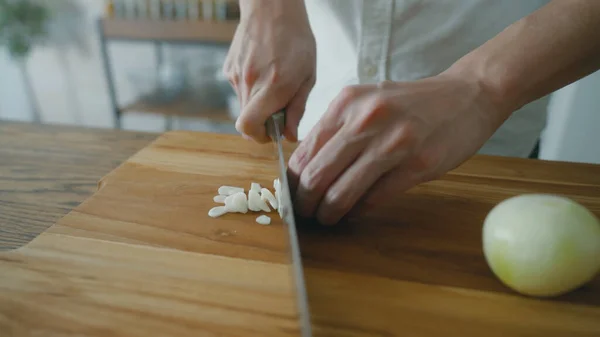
(401, 265)
(141, 257)
(47, 170)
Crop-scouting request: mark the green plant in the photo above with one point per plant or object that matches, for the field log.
(22, 24)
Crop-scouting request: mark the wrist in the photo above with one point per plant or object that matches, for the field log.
(273, 9)
(495, 82)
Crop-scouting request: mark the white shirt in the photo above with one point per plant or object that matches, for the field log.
(368, 41)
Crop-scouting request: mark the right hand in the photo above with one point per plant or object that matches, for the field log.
(271, 65)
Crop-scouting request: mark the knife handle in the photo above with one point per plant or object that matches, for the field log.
(278, 119)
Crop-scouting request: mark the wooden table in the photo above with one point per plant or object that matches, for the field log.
(46, 171)
(437, 274)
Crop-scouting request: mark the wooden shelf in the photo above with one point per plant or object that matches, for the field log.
(189, 31)
(180, 108)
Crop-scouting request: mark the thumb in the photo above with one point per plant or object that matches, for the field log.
(264, 103)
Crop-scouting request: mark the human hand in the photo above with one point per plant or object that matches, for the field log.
(410, 132)
(271, 65)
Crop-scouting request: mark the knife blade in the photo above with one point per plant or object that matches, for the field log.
(275, 126)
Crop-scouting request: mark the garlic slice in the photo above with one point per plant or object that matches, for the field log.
(219, 198)
(255, 187)
(253, 198)
(217, 211)
(237, 203)
(263, 220)
(229, 190)
(256, 203)
(266, 195)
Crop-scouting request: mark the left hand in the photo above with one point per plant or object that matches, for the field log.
(413, 131)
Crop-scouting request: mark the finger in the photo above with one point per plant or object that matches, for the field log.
(249, 76)
(375, 161)
(258, 109)
(329, 163)
(348, 189)
(397, 180)
(327, 126)
(295, 110)
(308, 148)
(236, 90)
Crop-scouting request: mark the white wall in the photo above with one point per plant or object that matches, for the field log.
(573, 130)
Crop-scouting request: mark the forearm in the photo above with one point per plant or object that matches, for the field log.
(543, 52)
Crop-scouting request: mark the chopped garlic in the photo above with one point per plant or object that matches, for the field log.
(219, 198)
(237, 203)
(229, 190)
(253, 198)
(255, 202)
(217, 211)
(263, 220)
(255, 187)
(266, 195)
(263, 205)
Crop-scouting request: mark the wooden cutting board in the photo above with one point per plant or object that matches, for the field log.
(142, 258)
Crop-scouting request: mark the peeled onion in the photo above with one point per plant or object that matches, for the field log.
(542, 245)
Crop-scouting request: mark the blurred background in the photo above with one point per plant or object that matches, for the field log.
(140, 65)
(155, 65)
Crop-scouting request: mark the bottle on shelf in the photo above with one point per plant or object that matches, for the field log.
(119, 9)
(220, 10)
(180, 9)
(233, 10)
(154, 9)
(207, 10)
(130, 8)
(109, 9)
(194, 10)
(168, 9)
(142, 8)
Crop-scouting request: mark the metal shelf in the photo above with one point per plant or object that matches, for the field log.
(169, 30)
(161, 32)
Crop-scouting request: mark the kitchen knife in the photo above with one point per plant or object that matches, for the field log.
(275, 127)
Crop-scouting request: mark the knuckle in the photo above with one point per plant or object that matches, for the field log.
(400, 140)
(243, 124)
(349, 92)
(247, 125)
(250, 75)
(275, 75)
(379, 105)
(406, 135)
(377, 109)
(311, 178)
(426, 162)
(336, 201)
(233, 77)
